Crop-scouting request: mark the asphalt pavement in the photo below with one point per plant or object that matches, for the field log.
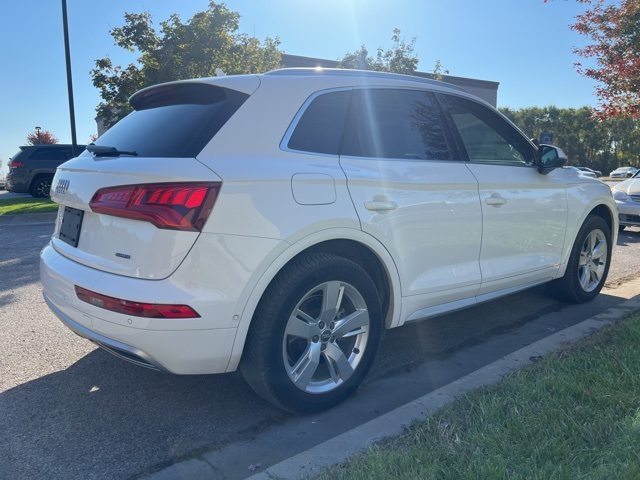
(6, 195)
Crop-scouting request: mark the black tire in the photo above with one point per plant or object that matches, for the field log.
(41, 187)
(313, 360)
(588, 265)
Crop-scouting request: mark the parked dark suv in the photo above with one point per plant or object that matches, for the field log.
(32, 168)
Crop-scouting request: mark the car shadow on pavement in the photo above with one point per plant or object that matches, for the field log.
(103, 418)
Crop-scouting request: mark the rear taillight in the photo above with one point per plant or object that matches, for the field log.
(15, 164)
(135, 309)
(175, 206)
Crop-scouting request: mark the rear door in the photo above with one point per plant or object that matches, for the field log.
(412, 196)
(524, 213)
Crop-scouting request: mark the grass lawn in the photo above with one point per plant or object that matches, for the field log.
(19, 206)
(574, 414)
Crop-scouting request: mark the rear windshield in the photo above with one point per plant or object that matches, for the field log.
(173, 120)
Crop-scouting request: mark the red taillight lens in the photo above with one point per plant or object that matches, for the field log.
(15, 164)
(135, 309)
(175, 206)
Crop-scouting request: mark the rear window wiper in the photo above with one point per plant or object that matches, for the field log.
(105, 151)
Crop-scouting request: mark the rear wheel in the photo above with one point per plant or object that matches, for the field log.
(588, 265)
(41, 187)
(314, 335)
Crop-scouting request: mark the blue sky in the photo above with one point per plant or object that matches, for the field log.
(526, 45)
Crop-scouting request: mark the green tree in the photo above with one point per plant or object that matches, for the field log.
(400, 58)
(602, 144)
(438, 71)
(180, 50)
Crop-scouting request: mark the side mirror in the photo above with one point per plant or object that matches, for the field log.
(550, 158)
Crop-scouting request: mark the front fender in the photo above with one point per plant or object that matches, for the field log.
(581, 204)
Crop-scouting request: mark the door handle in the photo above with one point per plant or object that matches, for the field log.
(495, 200)
(378, 206)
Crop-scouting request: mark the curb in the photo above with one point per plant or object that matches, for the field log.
(28, 218)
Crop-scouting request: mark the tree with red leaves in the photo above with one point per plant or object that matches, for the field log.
(41, 136)
(614, 30)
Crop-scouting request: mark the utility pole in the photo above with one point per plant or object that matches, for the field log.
(72, 114)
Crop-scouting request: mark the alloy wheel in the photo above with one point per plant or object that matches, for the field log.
(325, 337)
(593, 260)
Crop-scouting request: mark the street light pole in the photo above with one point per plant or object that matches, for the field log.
(38, 132)
(72, 114)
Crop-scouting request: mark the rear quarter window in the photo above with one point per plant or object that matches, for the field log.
(321, 126)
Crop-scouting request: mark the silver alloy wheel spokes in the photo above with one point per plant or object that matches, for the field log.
(325, 337)
(593, 260)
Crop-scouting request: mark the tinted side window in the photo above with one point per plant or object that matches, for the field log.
(51, 154)
(396, 123)
(321, 126)
(487, 137)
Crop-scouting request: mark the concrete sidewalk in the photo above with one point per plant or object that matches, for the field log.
(314, 461)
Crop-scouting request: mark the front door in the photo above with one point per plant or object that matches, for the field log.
(524, 213)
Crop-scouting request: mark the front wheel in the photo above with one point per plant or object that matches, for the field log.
(314, 334)
(588, 265)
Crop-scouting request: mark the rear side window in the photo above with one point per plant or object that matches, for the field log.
(58, 154)
(397, 123)
(321, 126)
(174, 120)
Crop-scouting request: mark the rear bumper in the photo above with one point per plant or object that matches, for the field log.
(119, 349)
(181, 346)
(13, 187)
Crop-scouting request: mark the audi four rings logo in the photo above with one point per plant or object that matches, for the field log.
(62, 186)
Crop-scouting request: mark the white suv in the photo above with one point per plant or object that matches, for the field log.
(278, 223)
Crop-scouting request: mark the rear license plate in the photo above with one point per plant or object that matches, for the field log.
(71, 225)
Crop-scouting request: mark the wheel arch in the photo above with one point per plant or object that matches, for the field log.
(603, 210)
(607, 215)
(37, 178)
(354, 245)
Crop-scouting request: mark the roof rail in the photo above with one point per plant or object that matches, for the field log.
(345, 72)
